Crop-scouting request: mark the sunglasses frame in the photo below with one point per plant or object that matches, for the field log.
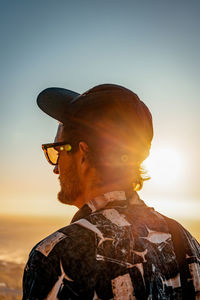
(53, 145)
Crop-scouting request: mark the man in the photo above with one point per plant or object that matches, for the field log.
(116, 247)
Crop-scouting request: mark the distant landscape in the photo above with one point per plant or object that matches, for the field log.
(17, 237)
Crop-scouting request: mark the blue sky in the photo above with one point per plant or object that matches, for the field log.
(151, 47)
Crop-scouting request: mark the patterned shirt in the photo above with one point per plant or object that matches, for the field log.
(116, 247)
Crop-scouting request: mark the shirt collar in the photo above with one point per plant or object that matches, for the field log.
(108, 200)
(102, 200)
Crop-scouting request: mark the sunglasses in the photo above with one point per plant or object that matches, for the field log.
(53, 150)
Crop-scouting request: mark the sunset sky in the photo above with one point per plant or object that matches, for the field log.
(151, 47)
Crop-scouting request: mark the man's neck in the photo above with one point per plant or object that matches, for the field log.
(90, 193)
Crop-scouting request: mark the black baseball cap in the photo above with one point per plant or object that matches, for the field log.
(107, 107)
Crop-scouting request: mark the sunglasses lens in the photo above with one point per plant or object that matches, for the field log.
(52, 155)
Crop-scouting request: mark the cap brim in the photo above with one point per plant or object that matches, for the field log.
(57, 102)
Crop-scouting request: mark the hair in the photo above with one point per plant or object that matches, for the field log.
(112, 159)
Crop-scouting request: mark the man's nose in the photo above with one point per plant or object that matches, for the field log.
(55, 170)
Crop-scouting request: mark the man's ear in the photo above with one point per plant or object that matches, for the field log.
(83, 148)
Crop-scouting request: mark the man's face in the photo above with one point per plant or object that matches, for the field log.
(68, 173)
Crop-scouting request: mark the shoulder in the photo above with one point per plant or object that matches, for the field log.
(182, 238)
(62, 240)
(62, 252)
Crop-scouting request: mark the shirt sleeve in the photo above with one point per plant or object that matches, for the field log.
(40, 275)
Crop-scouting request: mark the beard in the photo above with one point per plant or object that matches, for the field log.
(70, 185)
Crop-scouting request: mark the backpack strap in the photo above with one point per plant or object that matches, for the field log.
(180, 251)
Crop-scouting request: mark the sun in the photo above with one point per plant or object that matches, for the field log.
(164, 165)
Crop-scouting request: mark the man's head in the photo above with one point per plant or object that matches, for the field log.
(108, 126)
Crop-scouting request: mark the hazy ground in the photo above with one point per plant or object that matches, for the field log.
(17, 237)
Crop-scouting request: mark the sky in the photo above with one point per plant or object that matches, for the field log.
(151, 47)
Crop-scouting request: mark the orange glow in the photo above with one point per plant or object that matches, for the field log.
(165, 165)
